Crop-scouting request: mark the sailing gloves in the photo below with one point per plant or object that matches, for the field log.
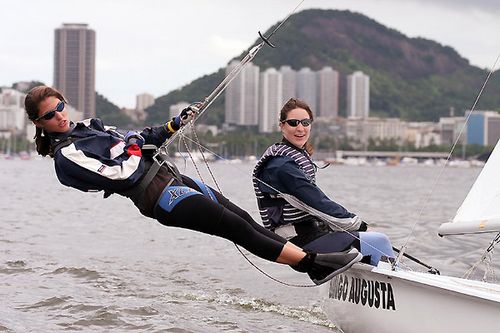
(133, 137)
(363, 226)
(186, 115)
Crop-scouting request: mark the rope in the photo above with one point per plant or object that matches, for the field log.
(205, 105)
(201, 148)
(302, 206)
(486, 259)
(230, 77)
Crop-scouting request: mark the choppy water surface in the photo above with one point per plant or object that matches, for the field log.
(73, 261)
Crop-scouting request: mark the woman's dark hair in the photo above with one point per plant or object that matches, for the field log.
(33, 99)
(295, 103)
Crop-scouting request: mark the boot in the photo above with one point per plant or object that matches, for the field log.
(305, 264)
(326, 265)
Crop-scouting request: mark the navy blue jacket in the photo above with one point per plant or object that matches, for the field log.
(283, 174)
(98, 157)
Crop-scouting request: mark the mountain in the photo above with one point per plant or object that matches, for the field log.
(412, 78)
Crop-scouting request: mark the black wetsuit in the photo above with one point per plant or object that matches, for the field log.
(94, 158)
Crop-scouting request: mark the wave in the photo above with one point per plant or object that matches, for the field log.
(310, 314)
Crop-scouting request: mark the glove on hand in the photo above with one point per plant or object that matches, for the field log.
(134, 137)
(187, 114)
(363, 226)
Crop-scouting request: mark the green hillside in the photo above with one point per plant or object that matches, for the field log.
(412, 78)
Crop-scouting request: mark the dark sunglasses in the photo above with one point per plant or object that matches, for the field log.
(49, 115)
(295, 122)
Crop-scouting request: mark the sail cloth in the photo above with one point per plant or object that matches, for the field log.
(480, 211)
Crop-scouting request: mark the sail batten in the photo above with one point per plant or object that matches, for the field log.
(480, 211)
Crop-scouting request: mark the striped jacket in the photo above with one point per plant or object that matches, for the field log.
(285, 172)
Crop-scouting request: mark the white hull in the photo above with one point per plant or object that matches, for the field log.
(368, 299)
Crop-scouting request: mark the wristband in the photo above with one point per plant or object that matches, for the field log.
(169, 127)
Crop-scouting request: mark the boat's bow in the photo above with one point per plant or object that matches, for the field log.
(377, 299)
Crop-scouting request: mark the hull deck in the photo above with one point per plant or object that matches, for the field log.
(376, 299)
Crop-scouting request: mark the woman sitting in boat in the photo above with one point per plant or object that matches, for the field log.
(89, 156)
(294, 207)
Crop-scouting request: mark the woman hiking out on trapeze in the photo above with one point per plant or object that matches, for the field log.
(90, 156)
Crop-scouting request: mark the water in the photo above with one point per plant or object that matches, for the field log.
(72, 261)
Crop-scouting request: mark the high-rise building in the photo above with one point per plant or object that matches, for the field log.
(289, 78)
(271, 84)
(74, 66)
(483, 128)
(232, 97)
(358, 95)
(12, 115)
(328, 93)
(451, 128)
(242, 96)
(143, 101)
(306, 88)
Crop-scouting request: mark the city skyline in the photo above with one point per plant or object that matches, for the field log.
(139, 50)
(268, 91)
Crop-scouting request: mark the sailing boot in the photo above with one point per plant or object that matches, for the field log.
(327, 265)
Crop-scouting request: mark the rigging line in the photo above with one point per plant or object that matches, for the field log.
(270, 276)
(430, 195)
(197, 141)
(200, 147)
(277, 191)
(207, 165)
(230, 77)
(487, 253)
(211, 98)
(285, 19)
(418, 261)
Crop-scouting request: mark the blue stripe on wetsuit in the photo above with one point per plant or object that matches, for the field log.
(175, 194)
(206, 190)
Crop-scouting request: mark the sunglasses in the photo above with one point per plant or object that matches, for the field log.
(49, 115)
(295, 122)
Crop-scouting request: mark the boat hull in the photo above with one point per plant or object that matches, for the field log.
(378, 300)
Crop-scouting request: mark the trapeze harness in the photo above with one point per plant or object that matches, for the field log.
(161, 183)
(161, 188)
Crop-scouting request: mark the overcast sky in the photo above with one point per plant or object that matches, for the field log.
(156, 46)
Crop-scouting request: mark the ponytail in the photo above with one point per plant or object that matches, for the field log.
(42, 142)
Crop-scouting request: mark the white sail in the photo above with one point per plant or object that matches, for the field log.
(480, 211)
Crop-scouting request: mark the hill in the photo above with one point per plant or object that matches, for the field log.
(110, 113)
(412, 78)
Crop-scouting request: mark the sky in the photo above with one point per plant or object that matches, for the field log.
(156, 46)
